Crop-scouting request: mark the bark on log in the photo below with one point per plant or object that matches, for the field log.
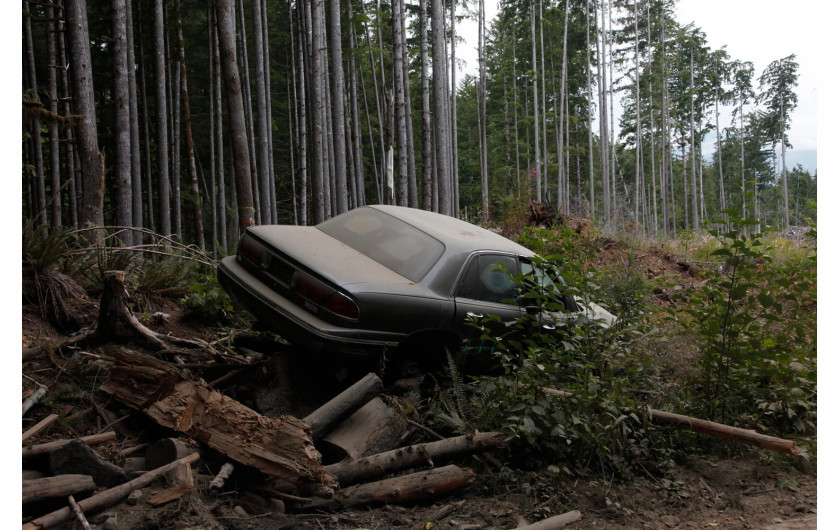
(719, 430)
(554, 523)
(279, 447)
(735, 434)
(371, 429)
(58, 486)
(343, 405)
(419, 455)
(40, 426)
(49, 447)
(107, 497)
(78, 511)
(400, 490)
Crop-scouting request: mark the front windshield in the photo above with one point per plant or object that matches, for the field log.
(385, 239)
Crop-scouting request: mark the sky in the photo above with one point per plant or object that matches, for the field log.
(760, 31)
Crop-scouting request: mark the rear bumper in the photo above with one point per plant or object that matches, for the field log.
(295, 323)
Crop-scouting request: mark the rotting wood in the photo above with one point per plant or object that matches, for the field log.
(57, 486)
(554, 523)
(40, 426)
(108, 497)
(398, 490)
(279, 447)
(46, 448)
(167, 450)
(170, 494)
(718, 430)
(371, 429)
(343, 405)
(419, 455)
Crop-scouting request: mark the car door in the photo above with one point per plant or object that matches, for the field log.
(485, 288)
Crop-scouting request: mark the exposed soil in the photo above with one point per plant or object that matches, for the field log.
(747, 489)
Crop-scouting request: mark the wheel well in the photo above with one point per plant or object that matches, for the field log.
(429, 347)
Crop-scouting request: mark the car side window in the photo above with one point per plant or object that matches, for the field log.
(488, 278)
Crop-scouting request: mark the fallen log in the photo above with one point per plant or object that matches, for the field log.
(57, 486)
(554, 523)
(46, 448)
(399, 490)
(279, 447)
(107, 497)
(343, 405)
(40, 426)
(735, 434)
(33, 399)
(419, 455)
(167, 450)
(718, 430)
(371, 429)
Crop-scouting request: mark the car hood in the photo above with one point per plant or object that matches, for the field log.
(326, 256)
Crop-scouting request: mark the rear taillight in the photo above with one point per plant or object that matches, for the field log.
(324, 296)
(250, 250)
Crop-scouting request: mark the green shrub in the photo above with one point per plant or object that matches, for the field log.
(208, 302)
(756, 321)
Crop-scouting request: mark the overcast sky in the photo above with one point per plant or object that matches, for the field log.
(760, 31)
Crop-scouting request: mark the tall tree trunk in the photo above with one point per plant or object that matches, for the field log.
(338, 109)
(425, 163)
(409, 126)
(52, 105)
(452, 111)
(537, 169)
(236, 114)
(695, 224)
(165, 219)
(482, 117)
(589, 119)
(218, 134)
(122, 128)
(40, 205)
(198, 223)
(249, 114)
(302, 120)
(272, 177)
(174, 99)
(260, 144)
(401, 135)
(93, 178)
(784, 168)
(70, 153)
(134, 127)
(442, 129)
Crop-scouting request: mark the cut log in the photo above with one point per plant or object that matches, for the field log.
(343, 405)
(57, 486)
(419, 455)
(40, 426)
(167, 450)
(107, 497)
(400, 490)
(554, 523)
(371, 429)
(170, 494)
(46, 448)
(718, 430)
(279, 447)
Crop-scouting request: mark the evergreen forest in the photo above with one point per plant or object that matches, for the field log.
(195, 119)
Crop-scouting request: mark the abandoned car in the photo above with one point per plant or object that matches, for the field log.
(384, 280)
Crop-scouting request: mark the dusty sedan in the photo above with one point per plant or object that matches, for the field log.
(381, 280)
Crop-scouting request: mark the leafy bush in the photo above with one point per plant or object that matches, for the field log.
(756, 320)
(208, 302)
(593, 423)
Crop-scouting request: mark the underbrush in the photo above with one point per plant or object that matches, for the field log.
(738, 346)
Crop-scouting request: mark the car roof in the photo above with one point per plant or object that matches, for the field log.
(457, 235)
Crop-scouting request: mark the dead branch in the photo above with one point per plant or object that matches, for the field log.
(554, 523)
(107, 497)
(46, 448)
(78, 511)
(40, 426)
(57, 486)
(343, 405)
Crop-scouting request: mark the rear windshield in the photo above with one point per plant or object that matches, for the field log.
(399, 246)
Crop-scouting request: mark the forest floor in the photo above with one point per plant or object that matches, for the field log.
(741, 489)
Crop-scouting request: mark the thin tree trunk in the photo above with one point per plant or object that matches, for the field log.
(302, 117)
(236, 115)
(409, 126)
(54, 137)
(272, 178)
(165, 221)
(40, 205)
(70, 150)
(589, 120)
(537, 169)
(122, 130)
(260, 139)
(401, 135)
(452, 111)
(242, 39)
(198, 223)
(425, 163)
(442, 129)
(482, 117)
(134, 127)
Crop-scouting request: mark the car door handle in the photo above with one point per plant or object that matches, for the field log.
(474, 315)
